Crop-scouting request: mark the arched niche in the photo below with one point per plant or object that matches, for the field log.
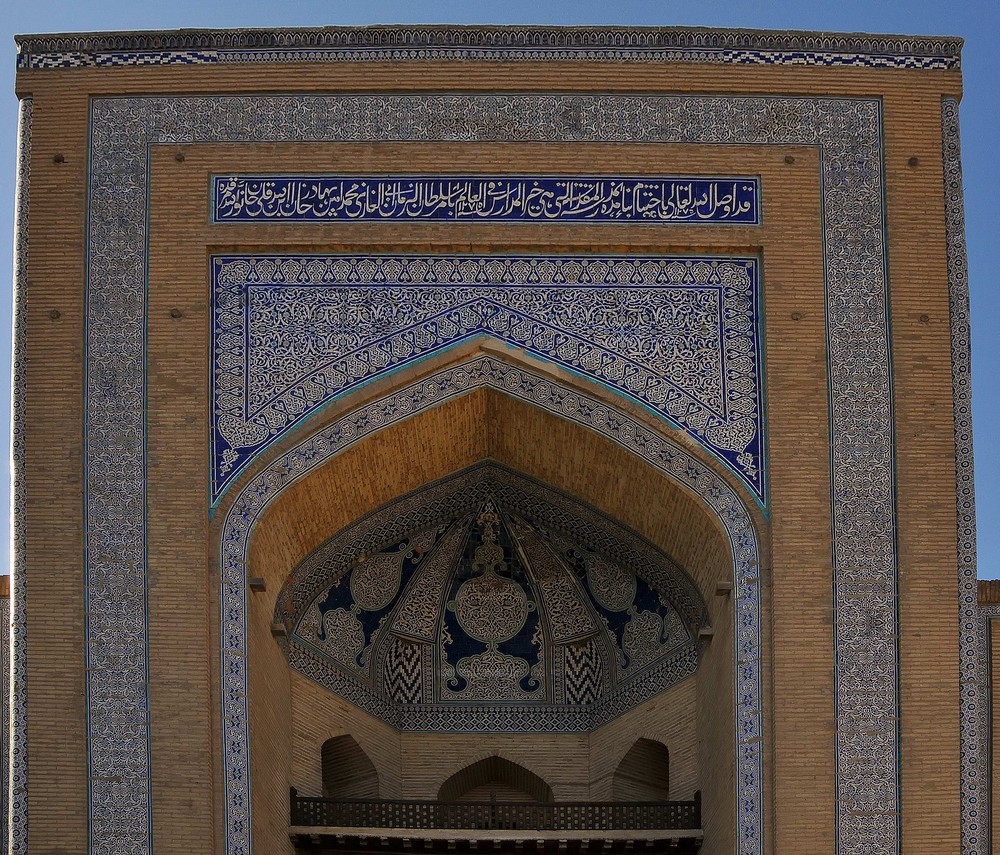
(348, 772)
(643, 775)
(616, 459)
(494, 778)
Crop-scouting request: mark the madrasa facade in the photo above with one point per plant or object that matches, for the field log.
(462, 439)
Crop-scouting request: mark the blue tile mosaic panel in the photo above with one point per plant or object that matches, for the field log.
(679, 335)
(606, 199)
(490, 590)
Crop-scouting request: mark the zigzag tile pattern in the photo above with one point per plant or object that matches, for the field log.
(507, 609)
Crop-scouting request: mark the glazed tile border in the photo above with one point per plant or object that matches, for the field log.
(975, 703)
(72, 59)
(15, 836)
(5, 729)
(507, 44)
(656, 448)
(848, 133)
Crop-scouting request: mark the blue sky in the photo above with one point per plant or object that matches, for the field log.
(978, 22)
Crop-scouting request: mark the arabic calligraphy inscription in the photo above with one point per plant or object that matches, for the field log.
(296, 198)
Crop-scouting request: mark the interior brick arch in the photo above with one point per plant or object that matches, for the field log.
(516, 780)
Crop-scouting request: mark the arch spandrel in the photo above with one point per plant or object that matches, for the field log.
(678, 335)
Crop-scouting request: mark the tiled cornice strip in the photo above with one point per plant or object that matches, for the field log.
(974, 715)
(848, 134)
(394, 43)
(16, 833)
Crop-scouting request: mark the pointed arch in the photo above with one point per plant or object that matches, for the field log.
(494, 778)
(348, 772)
(643, 774)
(504, 379)
(484, 362)
(544, 401)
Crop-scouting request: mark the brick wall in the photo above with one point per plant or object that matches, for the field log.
(289, 714)
(5, 699)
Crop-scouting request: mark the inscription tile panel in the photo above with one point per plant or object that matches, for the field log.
(497, 198)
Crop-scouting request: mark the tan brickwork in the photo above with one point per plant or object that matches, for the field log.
(290, 716)
(578, 767)
(989, 596)
(928, 608)
(57, 757)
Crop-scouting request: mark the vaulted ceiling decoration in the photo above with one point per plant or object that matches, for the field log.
(487, 602)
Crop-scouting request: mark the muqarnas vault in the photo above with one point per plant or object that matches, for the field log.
(451, 438)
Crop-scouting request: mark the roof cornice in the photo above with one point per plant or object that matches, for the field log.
(488, 43)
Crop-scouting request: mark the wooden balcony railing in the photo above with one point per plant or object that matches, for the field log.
(414, 815)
